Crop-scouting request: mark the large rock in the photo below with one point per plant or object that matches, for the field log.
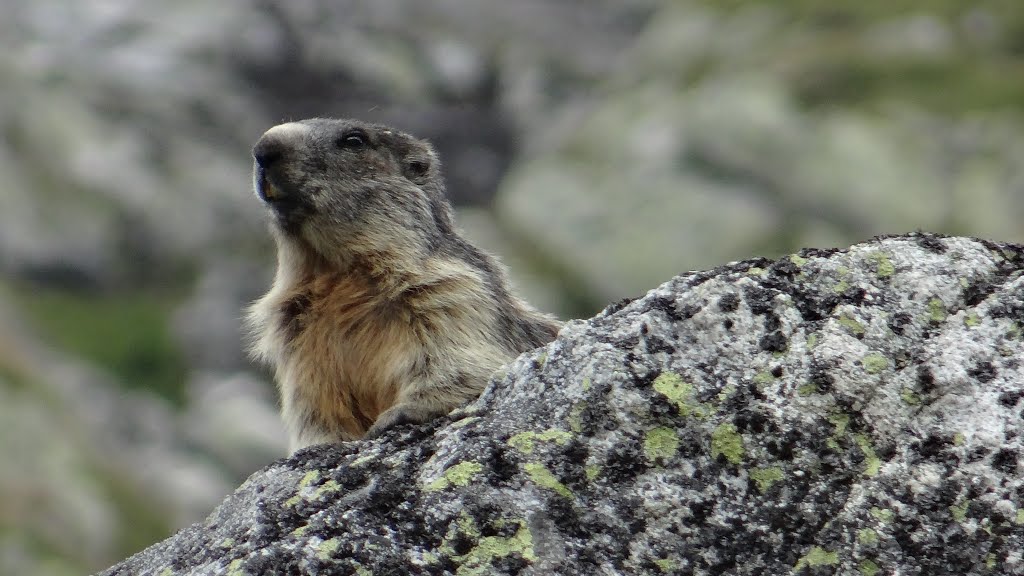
(833, 412)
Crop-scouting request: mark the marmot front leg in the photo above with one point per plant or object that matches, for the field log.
(424, 404)
(404, 413)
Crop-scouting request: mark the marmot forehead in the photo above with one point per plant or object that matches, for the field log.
(329, 129)
(288, 130)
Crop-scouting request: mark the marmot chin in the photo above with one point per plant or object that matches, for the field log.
(380, 312)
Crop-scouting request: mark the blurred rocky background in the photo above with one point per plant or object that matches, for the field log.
(600, 147)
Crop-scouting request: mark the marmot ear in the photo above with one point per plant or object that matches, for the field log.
(417, 164)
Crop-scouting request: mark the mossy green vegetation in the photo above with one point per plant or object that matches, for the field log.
(126, 334)
(834, 65)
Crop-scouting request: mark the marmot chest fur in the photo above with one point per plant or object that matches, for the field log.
(380, 312)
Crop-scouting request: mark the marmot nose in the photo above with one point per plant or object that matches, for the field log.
(267, 151)
(277, 141)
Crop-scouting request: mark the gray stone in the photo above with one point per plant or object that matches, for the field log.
(831, 412)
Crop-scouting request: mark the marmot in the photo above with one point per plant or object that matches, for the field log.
(380, 312)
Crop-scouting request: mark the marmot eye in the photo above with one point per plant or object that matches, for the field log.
(418, 167)
(353, 139)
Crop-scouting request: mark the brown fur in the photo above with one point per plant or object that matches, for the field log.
(380, 312)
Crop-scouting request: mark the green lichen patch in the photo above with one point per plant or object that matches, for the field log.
(959, 439)
(592, 471)
(235, 568)
(726, 392)
(363, 460)
(457, 475)
(756, 271)
(972, 319)
(465, 422)
(661, 444)
(307, 481)
(872, 463)
(817, 556)
(763, 377)
(479, 559)
(959, 511)
(883, 515)
(327, 488)
(545, 479)
(812, 340)
(840, 421)
(1014, 332)
(576, 417)
(586, 384)
(867, 536)
(525, 441)
(852, 325)
(807, 389)
(672, 386)
(874, 363)
(727, 442)
(797, 259)
(327, 548)
(309, 478)
(844, 283)
(1020, 516)
(666, 564)
(764, 478)
(868, 568)
(883, 266)
(909, 397)
(936, 310)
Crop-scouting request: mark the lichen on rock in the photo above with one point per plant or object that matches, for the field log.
(695, 430)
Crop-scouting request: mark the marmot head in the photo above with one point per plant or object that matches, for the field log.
(346, 188)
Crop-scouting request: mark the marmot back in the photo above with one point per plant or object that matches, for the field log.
(380, 312)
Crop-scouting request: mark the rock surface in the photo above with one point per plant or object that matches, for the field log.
(832, 412)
